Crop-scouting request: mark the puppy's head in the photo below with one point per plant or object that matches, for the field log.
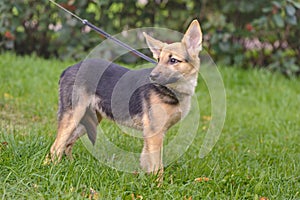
(176, 60)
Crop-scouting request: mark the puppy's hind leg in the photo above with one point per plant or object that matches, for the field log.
(79, 131)
(87, 124)
(66, 126)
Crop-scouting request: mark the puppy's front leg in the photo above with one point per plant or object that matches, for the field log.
(151, 157)
(156, 122)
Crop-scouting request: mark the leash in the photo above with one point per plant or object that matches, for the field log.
(106, 35)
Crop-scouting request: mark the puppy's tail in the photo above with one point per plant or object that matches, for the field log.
(90, 121)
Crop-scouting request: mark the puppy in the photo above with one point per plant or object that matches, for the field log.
(151, 100)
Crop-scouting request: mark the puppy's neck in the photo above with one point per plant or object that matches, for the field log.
(185, 87)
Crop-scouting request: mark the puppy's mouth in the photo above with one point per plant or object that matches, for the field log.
(163, 80)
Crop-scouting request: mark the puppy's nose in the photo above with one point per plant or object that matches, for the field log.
(153, 76)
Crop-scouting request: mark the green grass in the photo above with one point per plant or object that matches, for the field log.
(257, 155)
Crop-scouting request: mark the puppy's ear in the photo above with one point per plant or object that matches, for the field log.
(154, 45)
(192, 39)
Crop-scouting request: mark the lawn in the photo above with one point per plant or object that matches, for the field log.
(257, 155)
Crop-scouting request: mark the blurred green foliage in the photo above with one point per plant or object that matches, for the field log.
(244, 33)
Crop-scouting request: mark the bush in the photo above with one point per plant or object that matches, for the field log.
(257, 34)
(36, 26)
(243, 33)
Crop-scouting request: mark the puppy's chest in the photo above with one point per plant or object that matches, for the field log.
(185, 106)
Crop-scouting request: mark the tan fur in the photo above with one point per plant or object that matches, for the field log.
(157, 120)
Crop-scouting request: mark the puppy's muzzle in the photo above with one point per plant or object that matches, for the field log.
(154, 76)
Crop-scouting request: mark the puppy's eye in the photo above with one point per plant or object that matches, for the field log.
(158, 59)
(174, 61)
